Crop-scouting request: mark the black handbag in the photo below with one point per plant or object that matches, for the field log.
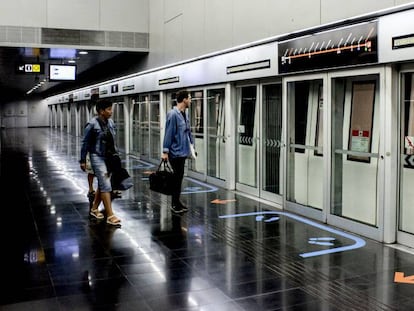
(120, 178)
(162, 180)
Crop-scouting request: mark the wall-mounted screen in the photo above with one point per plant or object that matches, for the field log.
(62, 72)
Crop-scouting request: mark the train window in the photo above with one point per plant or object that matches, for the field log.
(362, 112)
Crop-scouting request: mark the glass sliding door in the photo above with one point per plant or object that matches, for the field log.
(406, 168)
(197, 119)
(119, 119)
(271, 139)
(247, 139)
(305, 152)
(216, 139)
(145, 127)
(154, 127)
(259, 140)
(355, 148)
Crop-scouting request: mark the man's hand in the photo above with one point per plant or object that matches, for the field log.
(83, 166)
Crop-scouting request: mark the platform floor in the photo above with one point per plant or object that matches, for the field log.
(228, 252)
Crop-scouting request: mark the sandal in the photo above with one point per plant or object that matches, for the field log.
(96, 213)
(115, 222)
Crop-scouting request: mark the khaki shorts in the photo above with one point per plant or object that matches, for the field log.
(88, 168)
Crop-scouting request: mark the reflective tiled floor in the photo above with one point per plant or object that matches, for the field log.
(228, 252)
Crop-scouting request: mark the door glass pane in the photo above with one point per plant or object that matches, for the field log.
(155, 126)
(272, 132)
(118, 117)
(305, 168)
(215, 134)
(143, 126)
(196, 114)
(355, 143)
(72, 112)
(135, 145)
(406, 208)
(246, 150)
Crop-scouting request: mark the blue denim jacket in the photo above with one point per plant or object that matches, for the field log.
(177, 137)
(92, 138)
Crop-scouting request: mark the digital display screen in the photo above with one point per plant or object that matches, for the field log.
(62, 72)
(346, 46)
(62, 53)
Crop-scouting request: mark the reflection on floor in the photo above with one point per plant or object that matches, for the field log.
(227, 252)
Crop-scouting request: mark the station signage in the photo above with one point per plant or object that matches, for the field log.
(29, 68)
(403, 42)
(346, 46)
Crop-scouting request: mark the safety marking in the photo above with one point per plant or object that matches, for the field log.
(218, 201)
(260, 218)
(140, 165)
(400, 278)
(322, 241)
(204, 188)
(358, 241)
(193, 189)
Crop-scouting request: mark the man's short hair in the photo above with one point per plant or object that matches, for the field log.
(181, 95)
(103, 104)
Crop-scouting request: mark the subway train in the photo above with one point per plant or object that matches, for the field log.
(319, 122)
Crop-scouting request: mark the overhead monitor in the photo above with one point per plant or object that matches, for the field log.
(62, 72)
(60, 53)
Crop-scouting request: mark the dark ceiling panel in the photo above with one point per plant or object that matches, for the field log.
(96, 66)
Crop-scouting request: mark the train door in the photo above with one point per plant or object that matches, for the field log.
(155, 127)
(305, 180)
(358, 191)
(119, 119)
(334, 169)
(207, 118)
(258, 149)
(216, 137)
(72, 117)
(145, 130)
(140, 126)
(405, 233)
(197, 167)
(83, 116)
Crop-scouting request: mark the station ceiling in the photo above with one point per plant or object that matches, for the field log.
(19, 70)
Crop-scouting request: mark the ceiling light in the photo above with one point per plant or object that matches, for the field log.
(83, 52)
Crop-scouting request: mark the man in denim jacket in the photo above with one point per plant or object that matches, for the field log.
(176, 145)
(99, 141)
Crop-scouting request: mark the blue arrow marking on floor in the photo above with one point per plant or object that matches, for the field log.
(358, 241)
(260, 218)
(322, 241)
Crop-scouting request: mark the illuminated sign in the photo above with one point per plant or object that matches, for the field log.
(402, 42)
(114, 88)
(128, 88)
(249, 66)
(169, 80)
(36, 68)
(346, 46)
(62, 72)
